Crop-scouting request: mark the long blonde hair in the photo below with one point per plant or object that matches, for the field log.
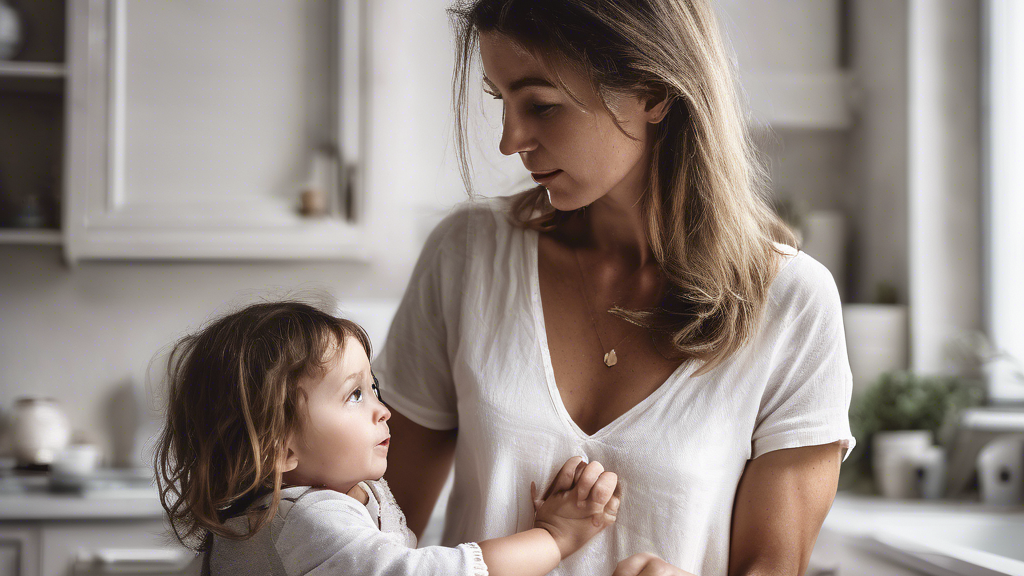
(233, 398)
(708, 223)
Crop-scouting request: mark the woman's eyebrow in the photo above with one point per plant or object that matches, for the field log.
(521, 83)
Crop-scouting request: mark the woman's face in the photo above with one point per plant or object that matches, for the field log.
(576, 152)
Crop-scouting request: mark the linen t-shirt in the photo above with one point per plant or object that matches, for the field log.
(468, 350)
(323, 532)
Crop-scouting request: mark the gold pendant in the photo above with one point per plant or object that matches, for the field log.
(610, 359)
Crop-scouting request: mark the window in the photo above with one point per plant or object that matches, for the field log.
(1004, 185)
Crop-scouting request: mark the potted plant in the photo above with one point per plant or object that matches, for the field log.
(900, 415)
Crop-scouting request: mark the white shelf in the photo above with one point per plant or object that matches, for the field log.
(31, 237)
(1007, 420)
(32, 70)
(821, 100)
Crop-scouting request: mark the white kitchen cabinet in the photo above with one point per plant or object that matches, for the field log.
(789, 58)
(193, 125)
(19, 550)
(58, 547)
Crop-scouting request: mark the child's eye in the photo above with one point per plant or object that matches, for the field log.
(356, 395)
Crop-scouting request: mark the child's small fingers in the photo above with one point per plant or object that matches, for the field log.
(565, 478)
(579, 470)
(587, 479)
(612, 508)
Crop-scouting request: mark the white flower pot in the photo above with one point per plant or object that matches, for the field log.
(894, 455)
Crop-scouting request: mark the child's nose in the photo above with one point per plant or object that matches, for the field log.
(384, 414)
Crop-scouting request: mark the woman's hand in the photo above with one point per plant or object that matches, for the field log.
(581, 502)
(647, 565)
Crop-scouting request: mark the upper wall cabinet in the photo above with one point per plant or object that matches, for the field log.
(788, 52)
(198, 127)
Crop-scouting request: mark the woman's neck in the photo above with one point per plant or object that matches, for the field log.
(614, 225)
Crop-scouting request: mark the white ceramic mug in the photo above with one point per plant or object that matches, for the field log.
(76, 460)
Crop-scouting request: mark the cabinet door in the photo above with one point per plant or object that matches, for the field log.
(195, 125)
(64, 544)
(19, 550)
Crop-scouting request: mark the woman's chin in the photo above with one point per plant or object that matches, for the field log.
(565, 202)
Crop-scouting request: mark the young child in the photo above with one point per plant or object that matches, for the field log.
(273, 450)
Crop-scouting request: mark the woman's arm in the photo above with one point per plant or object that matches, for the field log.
(418, 465)
(781, 503)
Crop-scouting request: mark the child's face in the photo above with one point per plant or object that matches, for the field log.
(344, 438)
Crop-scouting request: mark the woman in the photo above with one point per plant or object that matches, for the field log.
(641, 307)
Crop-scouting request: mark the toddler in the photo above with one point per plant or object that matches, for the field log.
(274, 447)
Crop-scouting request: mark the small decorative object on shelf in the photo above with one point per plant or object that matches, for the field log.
(10, 31)
(39, 431)
(317, 195)
(901, 415)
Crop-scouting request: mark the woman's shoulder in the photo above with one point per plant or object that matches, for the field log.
(802, 281)
(487, 214)
(460, 231)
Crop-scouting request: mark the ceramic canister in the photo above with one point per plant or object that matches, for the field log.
(1001, 471)
(39, 429)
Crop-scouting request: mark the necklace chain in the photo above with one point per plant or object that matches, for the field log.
(610, 357)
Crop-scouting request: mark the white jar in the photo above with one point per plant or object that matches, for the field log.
(39, 429)
(1001, 471)
(893, 455)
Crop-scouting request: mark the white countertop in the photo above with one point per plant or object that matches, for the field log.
(30, 498)
(933, 536)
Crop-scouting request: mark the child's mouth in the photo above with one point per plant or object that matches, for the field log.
(386, 442)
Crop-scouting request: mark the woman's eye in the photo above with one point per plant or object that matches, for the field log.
(543, 109)
(356, 395)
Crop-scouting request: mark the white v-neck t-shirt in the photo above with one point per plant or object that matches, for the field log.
(468, 350)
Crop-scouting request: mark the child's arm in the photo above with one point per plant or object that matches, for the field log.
(582, 504)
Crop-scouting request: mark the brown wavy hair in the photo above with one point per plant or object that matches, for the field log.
(233, 399)
(707, 220)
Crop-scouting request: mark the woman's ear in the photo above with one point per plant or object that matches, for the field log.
(289, 457)
(656, 104)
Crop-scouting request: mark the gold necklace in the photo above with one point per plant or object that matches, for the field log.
(610, 357)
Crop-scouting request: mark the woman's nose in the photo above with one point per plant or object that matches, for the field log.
(515, 136)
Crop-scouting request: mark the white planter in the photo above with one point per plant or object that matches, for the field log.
(894, 455)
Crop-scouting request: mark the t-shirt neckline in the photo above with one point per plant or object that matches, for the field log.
(532, 259)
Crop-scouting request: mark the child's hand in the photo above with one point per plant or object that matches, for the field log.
(582, 501)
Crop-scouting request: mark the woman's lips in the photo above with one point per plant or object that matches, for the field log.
(544, 178)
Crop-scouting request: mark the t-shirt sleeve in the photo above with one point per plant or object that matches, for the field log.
(414, 366)
(337, 536)
(806, 400)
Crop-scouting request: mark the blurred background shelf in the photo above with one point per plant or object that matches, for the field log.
(33, 69)
(34, 237)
